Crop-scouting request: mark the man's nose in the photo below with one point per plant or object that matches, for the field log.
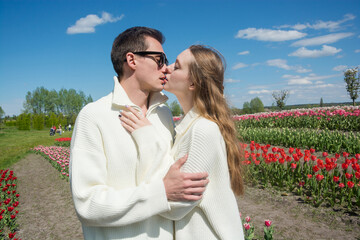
(169, 68)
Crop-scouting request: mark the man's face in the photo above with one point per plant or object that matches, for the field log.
(151, 77)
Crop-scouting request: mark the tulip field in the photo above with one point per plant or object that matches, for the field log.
(8, 206)
(333, 130)
(297, 167)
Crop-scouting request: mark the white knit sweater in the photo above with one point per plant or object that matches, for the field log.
(216, 216)
(107, 175)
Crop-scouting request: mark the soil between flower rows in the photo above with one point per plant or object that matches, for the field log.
(46, 209)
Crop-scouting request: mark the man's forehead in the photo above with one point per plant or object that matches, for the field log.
(153, 44)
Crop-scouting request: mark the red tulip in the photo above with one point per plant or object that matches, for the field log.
(247, 219)
(344, 166)
(357, 175)
(350, 184)
(325, 154)
(246, 226)
(336, 179)
(293, 165)
(315, 168)
(268, 223)
(348, 175)
(341, 185)
(309, 176)
(12, 235)
(319, 177)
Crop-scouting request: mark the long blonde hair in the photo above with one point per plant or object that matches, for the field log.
(207, 73)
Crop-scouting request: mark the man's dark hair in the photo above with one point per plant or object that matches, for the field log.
(131, 40)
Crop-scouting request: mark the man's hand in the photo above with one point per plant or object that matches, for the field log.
(182, 186)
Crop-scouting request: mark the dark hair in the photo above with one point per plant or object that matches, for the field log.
(131, 40)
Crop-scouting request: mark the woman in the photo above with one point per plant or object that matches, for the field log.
(207, 135)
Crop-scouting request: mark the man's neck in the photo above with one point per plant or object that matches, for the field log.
(138, 96)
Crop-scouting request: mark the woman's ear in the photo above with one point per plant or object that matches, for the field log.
(192, 86)
(130, 59)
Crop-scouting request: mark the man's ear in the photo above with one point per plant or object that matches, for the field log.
(130, 59)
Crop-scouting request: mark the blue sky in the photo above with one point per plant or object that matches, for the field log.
(303, 46)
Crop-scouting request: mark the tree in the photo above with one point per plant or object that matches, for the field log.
(23, 121)
(280, 98)
(175, 108)
(321, 102)
(2, 113)
(352, 83)
(68, 102)
(256, 105)
(246, 108)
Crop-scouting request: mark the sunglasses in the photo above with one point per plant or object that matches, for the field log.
(160, 60)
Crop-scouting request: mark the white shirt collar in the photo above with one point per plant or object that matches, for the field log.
(121, 98)
(187, 121)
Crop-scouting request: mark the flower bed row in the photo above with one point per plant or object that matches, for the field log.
(8, 205)
(317, 180)
(345, 119)
(329, 141)
(63, 142)
(59, 157)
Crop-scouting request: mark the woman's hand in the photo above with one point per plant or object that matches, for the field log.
(133, 119)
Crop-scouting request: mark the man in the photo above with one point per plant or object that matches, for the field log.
(113, 193)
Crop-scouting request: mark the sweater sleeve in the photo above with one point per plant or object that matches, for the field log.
(96, 202)
(205, 146)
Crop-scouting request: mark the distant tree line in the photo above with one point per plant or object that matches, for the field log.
(44, 108)
(67, 102)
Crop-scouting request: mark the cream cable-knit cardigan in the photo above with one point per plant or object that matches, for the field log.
(216, 216)
(106, 174)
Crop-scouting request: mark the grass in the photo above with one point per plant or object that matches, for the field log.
(15, 144)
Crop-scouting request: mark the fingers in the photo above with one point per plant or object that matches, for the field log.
(196, 176)
(137, 114)
(129, 116)
(180, 161)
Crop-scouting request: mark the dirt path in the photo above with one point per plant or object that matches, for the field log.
(47, 212)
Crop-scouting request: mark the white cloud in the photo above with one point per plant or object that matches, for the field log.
(244, 53)
(239, 65)
(290, 76)
(281, 63)
(259, 92)
(297, 80)
(324, 85)
(269, 34)
(340, 68)
(357, 50)
(326, 39)
(306, 53)
(329, 25)
(230, 80)
(87, 24)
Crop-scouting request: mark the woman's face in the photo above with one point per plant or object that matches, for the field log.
(178, 74)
